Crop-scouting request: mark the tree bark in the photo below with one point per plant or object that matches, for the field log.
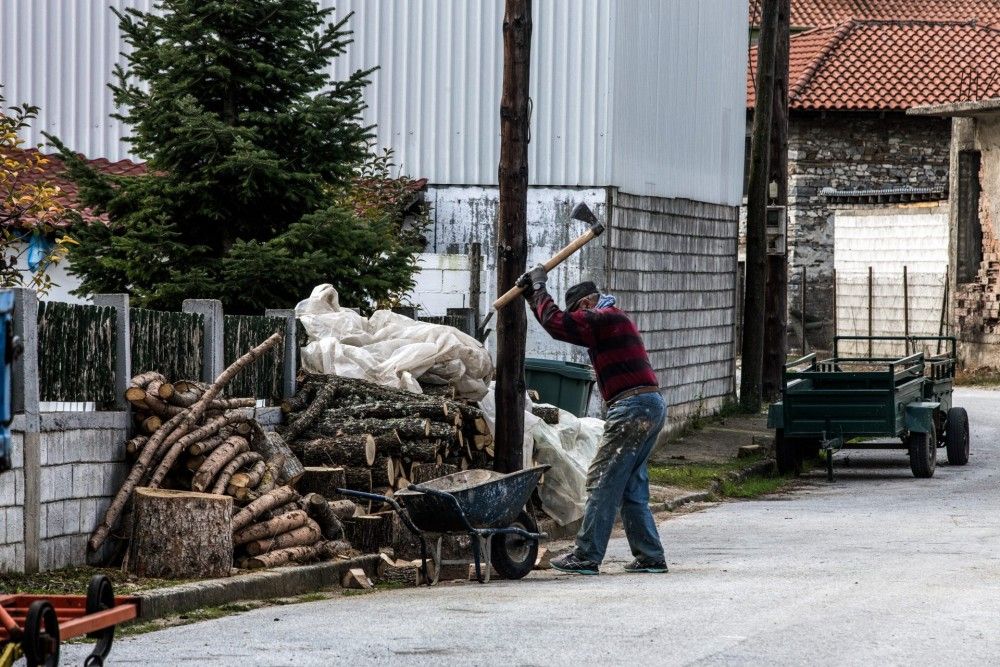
(398, 572)
(405, 427)
(424, 472)
(369, 532)
(547, 413)
(271, 528)
(437, 411)
(349, 450)
(207, 445)
(358, 479)
(306, 535)
(322, 480)
(383, 472)
(323, 398)
(217, 460)
(281, 557)
(247, 480)
(268, 444)
(140, 381)
(238, 463)
(322, 513)
(275, 498)
(423, 451)
(332, 549)
(181, 535)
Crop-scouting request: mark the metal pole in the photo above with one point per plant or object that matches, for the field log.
(871, 304)
(906, 308)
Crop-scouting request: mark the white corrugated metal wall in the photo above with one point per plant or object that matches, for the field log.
(664, 77)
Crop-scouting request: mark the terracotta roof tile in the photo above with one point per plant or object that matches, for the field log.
(889, 65)
(54, 174)
(821, 13)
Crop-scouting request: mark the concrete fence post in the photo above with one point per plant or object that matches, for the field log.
(123, 344)
(290, 358)
(25, 397)
(213, 355)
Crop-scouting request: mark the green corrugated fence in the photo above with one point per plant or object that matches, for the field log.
(76, 353)
(262, 379)
(169, 343)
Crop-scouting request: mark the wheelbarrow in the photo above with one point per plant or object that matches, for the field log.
(487, 506)
(31, 626)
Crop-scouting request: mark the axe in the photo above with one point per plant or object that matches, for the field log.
(580, 212)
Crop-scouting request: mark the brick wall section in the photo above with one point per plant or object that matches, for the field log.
(672, 264)
(12, 512)
(977, 304)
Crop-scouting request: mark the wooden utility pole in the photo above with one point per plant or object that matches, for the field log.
(756, 264)
(512, 237)
(776, 299)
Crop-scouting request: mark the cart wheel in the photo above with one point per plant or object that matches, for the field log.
(100, 596)
(513, 556)
(41, 635)
(956, 436)
(923, 454)
(788, 456)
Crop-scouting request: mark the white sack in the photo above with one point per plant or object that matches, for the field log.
(568, 447)
(389, 349)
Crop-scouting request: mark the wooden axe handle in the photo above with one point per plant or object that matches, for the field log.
(552, 263)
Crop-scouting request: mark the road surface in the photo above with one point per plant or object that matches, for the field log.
(878, 568)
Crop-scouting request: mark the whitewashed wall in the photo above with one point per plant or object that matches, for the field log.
(62, 282)
(646, 95)
(888, 239)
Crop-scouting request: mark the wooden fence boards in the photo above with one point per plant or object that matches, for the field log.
(169, 343)
(76, 352)
(263, 378)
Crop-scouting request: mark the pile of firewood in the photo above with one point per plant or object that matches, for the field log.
(199, 446)
(383, 438)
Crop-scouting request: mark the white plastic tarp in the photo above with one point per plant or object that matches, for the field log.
(568, 447)
(388, 348)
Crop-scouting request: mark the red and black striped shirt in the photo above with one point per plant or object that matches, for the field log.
(612, 341)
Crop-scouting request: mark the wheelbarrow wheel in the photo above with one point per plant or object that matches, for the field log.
(513, 556)
(41, 635)
(923, 454)
(100, 596)
(956, 436)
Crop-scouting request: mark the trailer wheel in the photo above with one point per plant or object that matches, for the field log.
(923, 454)
(41, 635)
(786, 453)
(513, 556)
(956, 436)
(100, 596)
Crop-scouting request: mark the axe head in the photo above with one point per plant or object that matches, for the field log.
(583, 213)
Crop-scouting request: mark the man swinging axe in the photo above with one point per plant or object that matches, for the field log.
(617, 479)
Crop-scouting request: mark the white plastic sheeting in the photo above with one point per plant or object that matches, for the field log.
(568, 447)
(389, 349)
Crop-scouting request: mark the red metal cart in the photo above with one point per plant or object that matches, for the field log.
(31, 626)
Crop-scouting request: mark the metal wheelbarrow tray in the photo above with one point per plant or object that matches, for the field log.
(847, 402)
(487, 506)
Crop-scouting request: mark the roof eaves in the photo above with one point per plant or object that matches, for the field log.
(797, 91)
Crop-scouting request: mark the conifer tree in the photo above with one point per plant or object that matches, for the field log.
(250, 147)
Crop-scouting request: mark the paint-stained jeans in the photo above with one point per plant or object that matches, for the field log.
(618, 479)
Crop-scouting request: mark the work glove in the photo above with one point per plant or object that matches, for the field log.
(533, 280)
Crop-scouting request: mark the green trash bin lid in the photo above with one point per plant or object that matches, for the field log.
(567, 369)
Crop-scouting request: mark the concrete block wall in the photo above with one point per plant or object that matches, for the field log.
(12, 511)
(442, 283)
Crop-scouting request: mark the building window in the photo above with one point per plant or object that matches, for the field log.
(969, 239)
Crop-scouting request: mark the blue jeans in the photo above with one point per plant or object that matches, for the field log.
(618, 479)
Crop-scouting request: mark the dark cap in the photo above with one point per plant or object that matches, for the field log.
(579, 291)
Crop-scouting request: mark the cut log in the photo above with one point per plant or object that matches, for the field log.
(319, 510)
(268, 444)
(282, 523)
(423, 451)
(319, 403)
(348, 450)
(281, 557)
(307, 535)
(249, 479)
(441, 432)
(207, 445)
(544, 559)
(434, 410)
(424, 472)
(332, 549)
(358, 479)
(217, 460)
(405, 427)
(136, 396)
(344, 509)
(481, 442)
(193, 463)
(322, 480)
(184, 441)
(267, 502)
(383, 472)
(181, 535)
(547, 413)
(377, 505)
(402, 572)
(240, 461)
(144, 379)
(134, 446)
(151, 424)
(369, 532)
(356, 579)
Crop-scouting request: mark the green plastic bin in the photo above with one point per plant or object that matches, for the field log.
(564, 384)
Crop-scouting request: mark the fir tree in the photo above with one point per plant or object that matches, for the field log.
(249, 145)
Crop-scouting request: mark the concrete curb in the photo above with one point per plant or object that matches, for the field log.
(277, 583)
(674, 503)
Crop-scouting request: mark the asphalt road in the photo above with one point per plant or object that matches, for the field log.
(878, 568)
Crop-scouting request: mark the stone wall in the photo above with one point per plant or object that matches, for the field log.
(849, 151)
(672, 263)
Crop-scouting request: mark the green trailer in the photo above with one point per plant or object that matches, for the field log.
(864, 401)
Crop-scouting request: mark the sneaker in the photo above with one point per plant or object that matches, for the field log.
(656, 567)
(570, 563)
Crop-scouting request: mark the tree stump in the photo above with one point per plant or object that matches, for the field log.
(181, 535)
(322, 480)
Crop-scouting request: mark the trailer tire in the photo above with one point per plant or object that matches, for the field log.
(956, 436)
(923, 454)
(513, 556)
(787, 455)
(41, 635)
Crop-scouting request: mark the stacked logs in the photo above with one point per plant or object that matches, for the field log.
(193, 440)
(378, 435)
